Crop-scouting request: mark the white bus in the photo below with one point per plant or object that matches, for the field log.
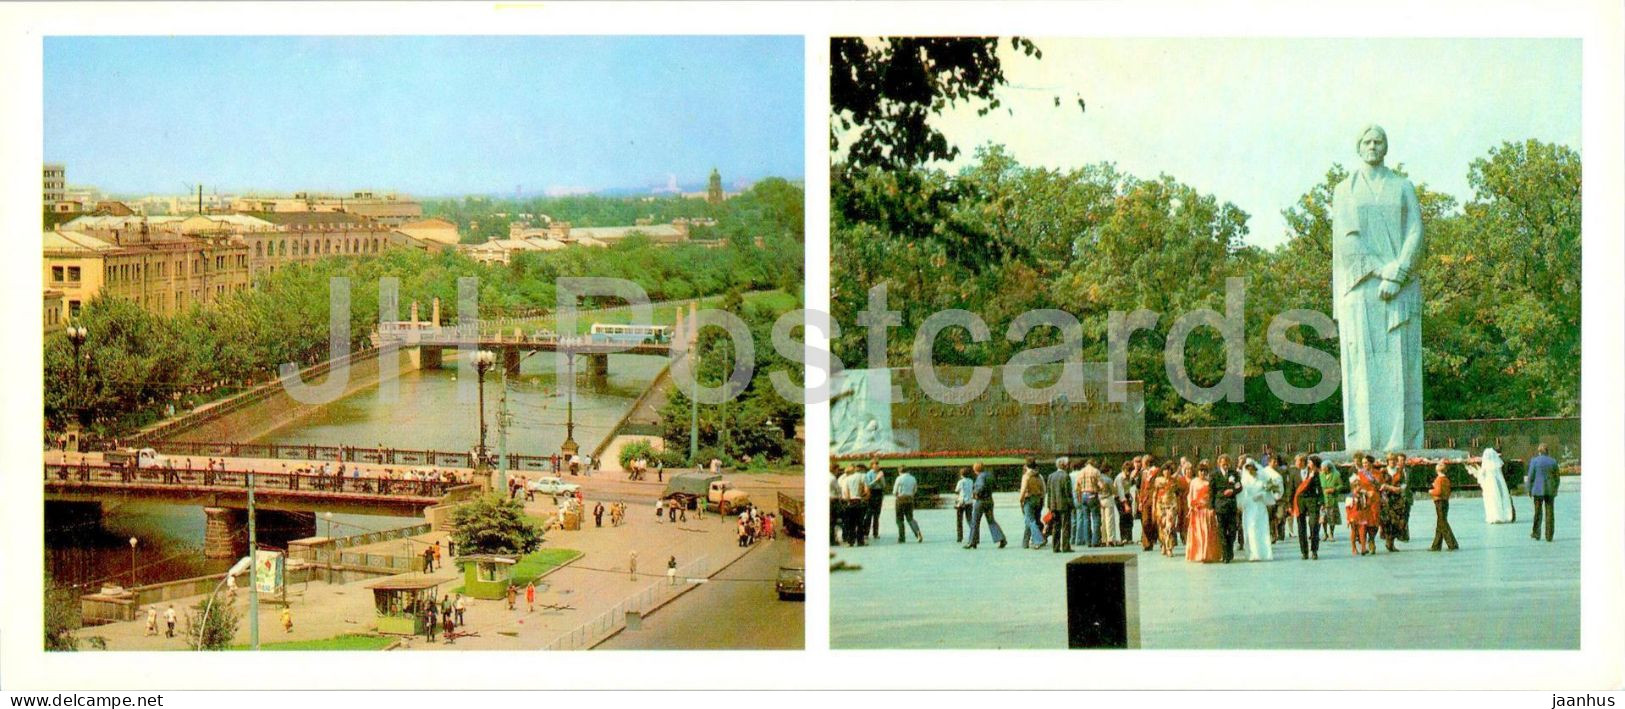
(623, 334)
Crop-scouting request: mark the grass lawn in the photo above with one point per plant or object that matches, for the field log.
(533, 565)
(342, 642)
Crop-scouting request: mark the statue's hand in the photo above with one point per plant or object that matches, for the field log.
(1388, 290)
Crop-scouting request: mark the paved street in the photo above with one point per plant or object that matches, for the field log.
(737, 610)
(1500, 591)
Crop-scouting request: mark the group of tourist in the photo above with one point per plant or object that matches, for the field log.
(445, 616)
(639, 470)
(754, 525)
(1212, 509)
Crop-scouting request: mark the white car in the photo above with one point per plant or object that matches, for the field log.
(551, 485)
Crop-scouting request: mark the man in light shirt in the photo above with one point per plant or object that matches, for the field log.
(855, 495)
(963, 496)
(836, 511)
(903, 501)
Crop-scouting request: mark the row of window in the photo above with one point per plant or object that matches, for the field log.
(304, 248)
(65, 274)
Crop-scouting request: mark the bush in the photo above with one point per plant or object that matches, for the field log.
(494, 525)
(213, 631)
(634, 450)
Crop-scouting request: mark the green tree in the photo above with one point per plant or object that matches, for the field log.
(211, 624)
(494, 525)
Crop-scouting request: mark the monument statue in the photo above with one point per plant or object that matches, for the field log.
(1377, 302)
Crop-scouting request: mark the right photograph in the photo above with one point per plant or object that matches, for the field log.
(1205, 343)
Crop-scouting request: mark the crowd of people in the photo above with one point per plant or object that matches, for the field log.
(1213, 510)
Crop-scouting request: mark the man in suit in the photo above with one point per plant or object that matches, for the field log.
(1541, 482)
(1058, 495)
(1306, 496)
(1441, 508)
(1291, 475)
(1225, 486)
(982, 506)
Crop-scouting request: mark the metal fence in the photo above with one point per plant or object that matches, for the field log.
(646, 599)
(346, 453)
(86, 473)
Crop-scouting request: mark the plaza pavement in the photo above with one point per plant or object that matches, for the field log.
(1500, 591)
(592, 585)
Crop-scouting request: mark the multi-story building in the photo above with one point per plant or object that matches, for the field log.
(389, 210)
(161, 271)
(297, 237)
(56, 183)
(55, 316)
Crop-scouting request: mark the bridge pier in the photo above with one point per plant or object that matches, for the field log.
(598, 369)
(431, 358)
(510, 361)
(225, 531)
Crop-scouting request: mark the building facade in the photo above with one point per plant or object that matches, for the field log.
(55, 183)
(161, 272)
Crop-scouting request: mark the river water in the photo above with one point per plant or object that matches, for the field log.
(430, 410)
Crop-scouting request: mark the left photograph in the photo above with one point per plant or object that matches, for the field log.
(422, 343)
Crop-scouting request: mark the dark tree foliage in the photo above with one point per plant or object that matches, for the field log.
(493, 525)
(888, 91)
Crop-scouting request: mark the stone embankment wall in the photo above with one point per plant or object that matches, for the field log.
(266, 408)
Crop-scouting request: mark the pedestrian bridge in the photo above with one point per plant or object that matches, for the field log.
(273, 490)
(291, 498)
(431, 341)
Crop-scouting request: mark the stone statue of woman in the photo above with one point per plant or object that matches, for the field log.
(1377, 301)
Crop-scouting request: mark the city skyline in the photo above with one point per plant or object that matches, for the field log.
(422, 116)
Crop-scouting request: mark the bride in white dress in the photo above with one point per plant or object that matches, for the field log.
(1497, 501)
(1256, 498)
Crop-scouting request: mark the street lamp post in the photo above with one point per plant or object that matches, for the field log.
(133, 542)
(76, 337)
(482, 363)
(570, 447)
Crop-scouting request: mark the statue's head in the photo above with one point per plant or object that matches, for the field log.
(1373, 144)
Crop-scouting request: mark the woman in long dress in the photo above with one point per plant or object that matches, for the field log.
(1255, 514)
(1202, 541)
(1498, 507)
(1363, 510)
(1391, 484)
(1331, 483)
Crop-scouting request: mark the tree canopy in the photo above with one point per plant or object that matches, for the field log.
(1501, 276)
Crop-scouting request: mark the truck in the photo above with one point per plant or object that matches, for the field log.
(711, 489)
(790, 515)
(135, 458)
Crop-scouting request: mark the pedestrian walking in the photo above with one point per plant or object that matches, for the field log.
(430, 624)
(530, 597)
(598, 515)
(632, 566)
(169, 621)
(449, 626)
(671, 571)
(458, 608)
(1441, 507)
(152, 620)
(513, 595)
(1541, 482)
(287, 620)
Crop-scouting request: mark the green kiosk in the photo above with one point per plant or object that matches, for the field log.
(400, 604)
(487, 575)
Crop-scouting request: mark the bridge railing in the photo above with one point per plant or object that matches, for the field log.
(86, 473)
(375, 456)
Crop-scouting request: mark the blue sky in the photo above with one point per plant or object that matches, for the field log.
(1258, 121)
(421, 115)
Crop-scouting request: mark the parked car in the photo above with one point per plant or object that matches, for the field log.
(792, 581)
(552, 485)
